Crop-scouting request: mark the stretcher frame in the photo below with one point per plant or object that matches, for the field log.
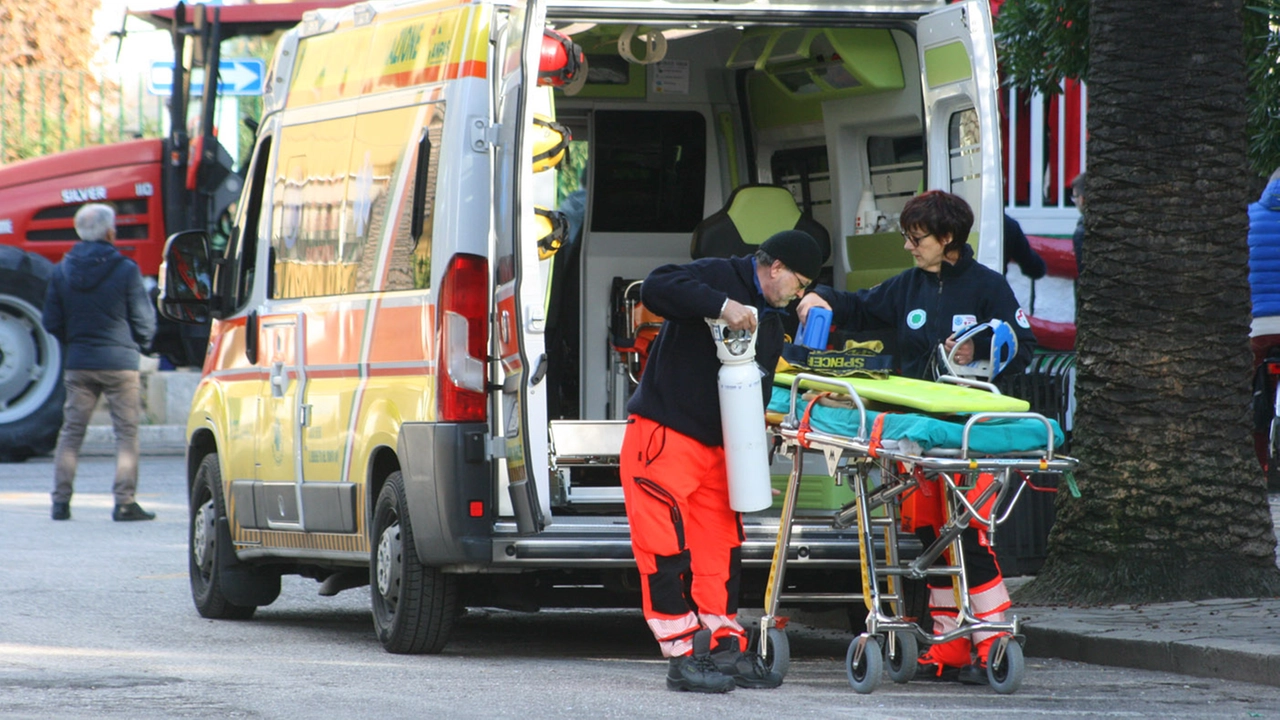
(859, 460)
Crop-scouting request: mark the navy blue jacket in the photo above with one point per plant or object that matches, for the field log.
(925, 308)
(1017, 248)
(98, 308)
(679, 386)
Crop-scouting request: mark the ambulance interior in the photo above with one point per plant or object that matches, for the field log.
(662, 138)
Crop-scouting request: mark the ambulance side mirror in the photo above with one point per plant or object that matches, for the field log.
(186, 278)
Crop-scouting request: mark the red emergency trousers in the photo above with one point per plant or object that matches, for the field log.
(923, 514)
(686, 539)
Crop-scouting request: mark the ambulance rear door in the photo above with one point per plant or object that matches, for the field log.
(519, 317)
(958, 72)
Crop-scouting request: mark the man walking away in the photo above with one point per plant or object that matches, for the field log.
(98, 309)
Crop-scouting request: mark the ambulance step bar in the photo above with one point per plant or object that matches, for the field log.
(606, 541)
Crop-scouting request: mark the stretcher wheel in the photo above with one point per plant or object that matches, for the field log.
(865, 675)
(902, 664)
(779, 659)
(1006, 676)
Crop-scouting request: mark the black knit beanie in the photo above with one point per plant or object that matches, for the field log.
(797, 250)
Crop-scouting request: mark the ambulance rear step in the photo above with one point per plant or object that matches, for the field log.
(605, 541)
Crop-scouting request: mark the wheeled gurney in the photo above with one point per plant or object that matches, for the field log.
(884, 456)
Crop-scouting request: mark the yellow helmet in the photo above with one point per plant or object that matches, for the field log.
(553, 230)
(550, 142)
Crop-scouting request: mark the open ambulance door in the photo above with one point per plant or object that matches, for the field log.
(961, 111)
(519, 318)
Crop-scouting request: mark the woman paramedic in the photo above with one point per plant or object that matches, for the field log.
(946, 292)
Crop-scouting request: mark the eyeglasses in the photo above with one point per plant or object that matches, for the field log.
(804, 284)
(915, 241)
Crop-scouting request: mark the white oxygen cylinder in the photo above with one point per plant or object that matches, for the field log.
(746, 450)
(867, 216)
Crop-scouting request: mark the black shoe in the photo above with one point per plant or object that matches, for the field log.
(974, 674)
(697, 672)
(61, 511)
(132, 511)
(746, 668)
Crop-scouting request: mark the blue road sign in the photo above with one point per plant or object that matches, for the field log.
(236, 76)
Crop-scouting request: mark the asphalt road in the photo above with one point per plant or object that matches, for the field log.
(96, 621)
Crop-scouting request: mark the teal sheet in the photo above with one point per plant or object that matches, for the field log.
(993, 437)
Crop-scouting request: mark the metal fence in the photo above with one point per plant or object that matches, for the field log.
(46, 110)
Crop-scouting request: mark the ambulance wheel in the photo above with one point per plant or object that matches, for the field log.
(1006, 677)
(901, 665)
(414, 606)
(779, 659)
(205, 562)
(864, 676)
(31, 392)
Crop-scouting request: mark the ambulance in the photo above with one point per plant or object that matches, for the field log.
(425, 324)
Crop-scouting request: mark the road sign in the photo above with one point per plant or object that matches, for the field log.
(236, 76)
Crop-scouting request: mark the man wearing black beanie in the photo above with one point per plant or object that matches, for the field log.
(685, 537)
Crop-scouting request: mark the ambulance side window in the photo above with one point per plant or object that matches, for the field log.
(650, 171)
(965, 147)
(247, 251)
(313, 254)
(409, 265)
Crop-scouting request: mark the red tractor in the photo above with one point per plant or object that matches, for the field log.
(158, 186)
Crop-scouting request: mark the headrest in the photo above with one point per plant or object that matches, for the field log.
(752, 215)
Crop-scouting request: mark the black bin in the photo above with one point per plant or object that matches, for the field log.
(1021, 543)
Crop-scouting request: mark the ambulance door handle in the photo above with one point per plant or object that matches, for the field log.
(277, 379)
(539, 370)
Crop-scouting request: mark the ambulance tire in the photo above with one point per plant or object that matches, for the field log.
(414, 606)
(31, 391)
(221, 587)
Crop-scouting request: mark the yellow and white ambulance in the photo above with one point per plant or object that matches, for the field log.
(424, 326)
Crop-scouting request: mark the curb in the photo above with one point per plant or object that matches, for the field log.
(1200, 659)
(152, 440)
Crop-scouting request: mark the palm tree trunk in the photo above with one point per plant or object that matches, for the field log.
(1172, 504)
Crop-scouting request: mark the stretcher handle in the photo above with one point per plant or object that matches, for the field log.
(980, 384)
(838, 384)
(979, 417)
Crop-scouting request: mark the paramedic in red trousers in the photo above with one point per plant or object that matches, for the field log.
(946, 292)
(686, 539)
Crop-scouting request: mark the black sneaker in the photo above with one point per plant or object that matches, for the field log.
(746, 668)
(973, 674)
(130, 512)
(61, 511)
(697, 672)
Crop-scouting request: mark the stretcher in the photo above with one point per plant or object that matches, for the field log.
(968, 430)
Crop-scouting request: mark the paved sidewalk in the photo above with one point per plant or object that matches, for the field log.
(1233, 638)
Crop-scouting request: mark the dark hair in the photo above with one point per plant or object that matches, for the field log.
(941, 213)
(1077, 185)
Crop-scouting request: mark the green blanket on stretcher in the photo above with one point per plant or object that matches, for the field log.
(997, 436)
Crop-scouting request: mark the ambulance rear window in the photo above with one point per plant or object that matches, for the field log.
(650, 171)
